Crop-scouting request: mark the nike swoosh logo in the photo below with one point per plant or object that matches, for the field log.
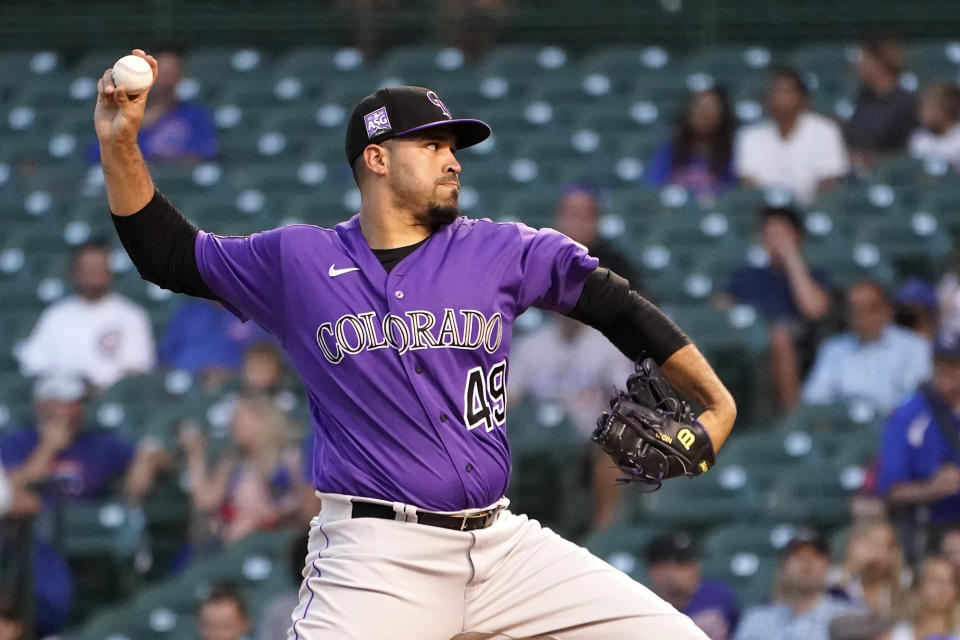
(334, 272)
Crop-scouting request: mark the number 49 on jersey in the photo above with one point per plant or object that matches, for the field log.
(485, 397)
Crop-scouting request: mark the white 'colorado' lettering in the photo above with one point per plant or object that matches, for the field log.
(351, 333)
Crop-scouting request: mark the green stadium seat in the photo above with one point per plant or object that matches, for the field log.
(524, 61)
(630, 60)
(106, 528)
(724, 494)
(912, 244)
(750, 575)
(772, 449)
(840, 417)
(423, 65)
(94, 62)
(623, 546)
(545, 482)
(812, 494)
(211, 62)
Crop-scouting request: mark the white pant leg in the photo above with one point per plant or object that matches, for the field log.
(373, 579)
(530, 582)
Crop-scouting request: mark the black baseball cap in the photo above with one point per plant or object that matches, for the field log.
(671, 547)
(805, 538)
(398, 111)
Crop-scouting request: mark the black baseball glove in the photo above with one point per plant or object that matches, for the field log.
(650, 431)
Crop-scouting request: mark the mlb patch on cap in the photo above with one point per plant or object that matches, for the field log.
(398, 111)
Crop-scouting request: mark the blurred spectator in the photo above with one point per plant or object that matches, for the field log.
(789, 293)
(172, 131)
(859, 626)
(263, 369)
(568, 363)
(577, 215)
(885, 114)
(252, 486)
(276, 618)
(12, 621)
(699, 156)
(939, 139)
(802, 609)
(919, 468)
(916, 307)
(61, 462)
(935, 606)
(96, 334)
(796, 149)
(223, 614)
(674, 571)
(948, 297)
(950, 546)
(59, 459)
(873, 570)
(897, 359)
(205, 339)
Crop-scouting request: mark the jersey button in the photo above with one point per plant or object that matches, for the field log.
(398, 293)
(469, 468)
(418, 369)
(443, 417)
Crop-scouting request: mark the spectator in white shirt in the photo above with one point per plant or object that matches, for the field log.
(875, 360)
(95, 334)
(797, 150)
(939, 139)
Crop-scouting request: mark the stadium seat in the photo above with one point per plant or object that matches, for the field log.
(623, 546)
(545, 482)
(524, 61)
(720, 495)
(750, 575)
(812, 494)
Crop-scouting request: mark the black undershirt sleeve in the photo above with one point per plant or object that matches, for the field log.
(160, 242)
(631, 322)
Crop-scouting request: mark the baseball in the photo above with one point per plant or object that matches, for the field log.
(134, 73)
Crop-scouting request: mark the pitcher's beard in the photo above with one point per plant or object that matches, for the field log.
(438, 215)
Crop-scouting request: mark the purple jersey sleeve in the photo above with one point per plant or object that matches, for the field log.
(554, 268)
(245, 273)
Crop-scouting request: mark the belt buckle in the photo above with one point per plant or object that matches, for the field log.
(463, 522)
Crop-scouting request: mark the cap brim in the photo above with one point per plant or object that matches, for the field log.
(467, 132)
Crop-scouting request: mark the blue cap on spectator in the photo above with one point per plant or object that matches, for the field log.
(917, 291)
(947, 345)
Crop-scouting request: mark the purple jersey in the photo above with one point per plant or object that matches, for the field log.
(405, 372)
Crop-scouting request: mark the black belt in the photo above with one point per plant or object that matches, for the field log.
(467, 522)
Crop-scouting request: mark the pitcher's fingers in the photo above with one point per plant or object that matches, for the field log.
(121, 95)
(150, 59)
(106, 82)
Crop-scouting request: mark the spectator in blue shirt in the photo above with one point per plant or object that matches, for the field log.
(61, 462)
(875, 360)
(208, 341)
(919, 463)
(699, 157)
(803, 609)
(674, 571)
(172, 131)
(789, 293)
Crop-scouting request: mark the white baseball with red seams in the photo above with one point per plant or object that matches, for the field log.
(134, 73)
